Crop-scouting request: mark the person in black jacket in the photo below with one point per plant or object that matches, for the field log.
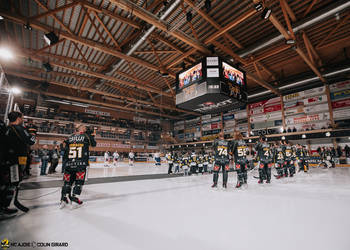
(15, 150)
(54, 157)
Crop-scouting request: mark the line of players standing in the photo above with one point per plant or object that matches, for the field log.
(282, 155)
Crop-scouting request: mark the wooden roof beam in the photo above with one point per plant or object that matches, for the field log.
(289, 10)
(280, 27)
(286, 18)
(109, 13)
(310, 7)
(158, 51)
(53, 11)
(210, 20)
(102, 93)
(116, 44)
(152, 19)
(311, 51)
(92, 44)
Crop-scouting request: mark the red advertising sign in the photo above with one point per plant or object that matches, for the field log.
(341, 104)
(273, 108)
(214, 125)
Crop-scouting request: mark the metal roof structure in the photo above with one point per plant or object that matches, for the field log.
(95, 56)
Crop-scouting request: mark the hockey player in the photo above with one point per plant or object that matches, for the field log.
(240, 152)
(15, 140)
(200, 163)
(170, 159)
(265, 156)
(288, 152)
(115, 158)
(302, 155)
(131, 158)
(106, 157)
(176, 163)
(278, 156)
(78, 160)
(193, 162)
(221, 149)
(184, 164)
(205, 162)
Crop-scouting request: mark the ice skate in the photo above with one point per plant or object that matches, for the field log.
(64, 202)
(224, 185)
(238, 185)
(76, 202)
(214, 185)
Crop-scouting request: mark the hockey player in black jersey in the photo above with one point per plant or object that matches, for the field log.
(302, 156)
(278, 156)
(289, 154)
(240, 151)
(265, 156)
(221, 151)
(78, 159)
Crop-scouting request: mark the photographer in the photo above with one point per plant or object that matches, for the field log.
(77, 146)
(15, 143)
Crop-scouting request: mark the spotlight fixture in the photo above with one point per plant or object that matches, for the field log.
(328, 134)
(207, 5)
(303, 136)
(258, 6)
(266, 13)
(47, 66)
(189, 16)
(1, 18)
(6, 53)
(283, 138)
(15, 90)
(290, 41)
(27, 26)
(250, 140)
(51, 38)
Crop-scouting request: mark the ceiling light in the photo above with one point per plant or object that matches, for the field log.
(1, 18)
(328, 134)
(27, 26)
(15, 91)
(250, 140)
(258, 6)
(303, 136)
(51, 38)
(290, 41)
(283, 137)
(266, 13)
(6, 53)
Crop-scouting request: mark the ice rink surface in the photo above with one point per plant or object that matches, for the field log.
(309, 211)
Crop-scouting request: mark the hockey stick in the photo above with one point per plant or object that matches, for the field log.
(18, 204)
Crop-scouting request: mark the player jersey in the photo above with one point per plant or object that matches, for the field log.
(221, 150)
(240, 150)
(301, 153)
(264, 151)
(279, 154)
(78, 150)
(193, 159)
(169, 158)
(288, 152)
(205, 159)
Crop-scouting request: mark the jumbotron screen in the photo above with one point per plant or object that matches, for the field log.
(191, 75)
(232, 74)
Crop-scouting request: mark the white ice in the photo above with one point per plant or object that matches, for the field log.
(309, 211)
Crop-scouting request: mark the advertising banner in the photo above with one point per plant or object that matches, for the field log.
(292, 104)
(206, 127)
(230, 123)
(342, 113)
(307, 118)
(341, 104)
(272, 108)
(316, 108)
(315, 100)
(294, 111)
(242, 127)
(264, 117)
(206, 117)
(241, 114)
(256, 111)
(339, 86)
(305, 93)
(311, 126)
(340, 94)
(97, 112)
(228, 117)
(272, 101)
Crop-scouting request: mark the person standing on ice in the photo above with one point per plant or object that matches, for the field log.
(221, 151)
(288, 152)
(240, 152)
(77, 146)
(115, 158)
(278, 156)
(265, 157)
(106, 157)
(131, 158)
